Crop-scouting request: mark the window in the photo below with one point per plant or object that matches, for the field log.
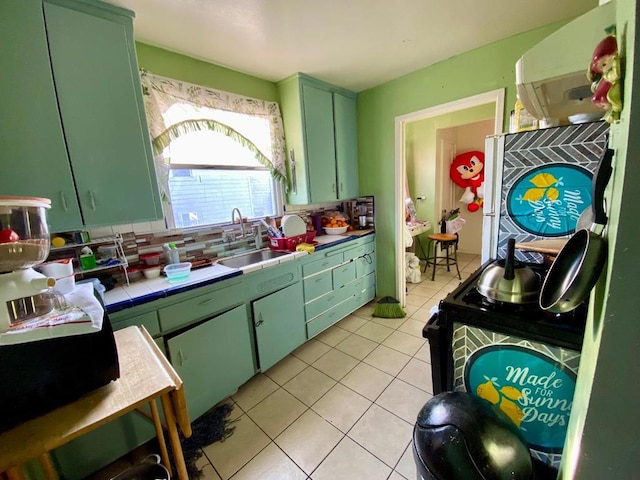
(211, 173)
(214, 152)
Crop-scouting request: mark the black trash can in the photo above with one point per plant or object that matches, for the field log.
(458, 436)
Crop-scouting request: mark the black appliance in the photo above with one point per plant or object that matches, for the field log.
(520, 358)
(460, 437)
(37, 377)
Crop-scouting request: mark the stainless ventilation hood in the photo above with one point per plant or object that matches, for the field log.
(551, 78)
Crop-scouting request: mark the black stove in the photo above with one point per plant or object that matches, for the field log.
(520, 347)
(469, 306)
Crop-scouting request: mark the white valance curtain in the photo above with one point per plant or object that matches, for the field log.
(161, 93)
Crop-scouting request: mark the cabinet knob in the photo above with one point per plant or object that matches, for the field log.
(260, 320)
(92, 200)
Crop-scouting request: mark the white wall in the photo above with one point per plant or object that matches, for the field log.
(471, 137)
(466, 137)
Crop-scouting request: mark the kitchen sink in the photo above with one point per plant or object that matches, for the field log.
(250, 258)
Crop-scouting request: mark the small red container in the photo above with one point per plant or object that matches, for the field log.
(150, 259)
(289, 244)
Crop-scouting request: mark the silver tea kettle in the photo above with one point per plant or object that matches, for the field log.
(509, 281)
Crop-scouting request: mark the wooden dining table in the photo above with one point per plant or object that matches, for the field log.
(145, 377)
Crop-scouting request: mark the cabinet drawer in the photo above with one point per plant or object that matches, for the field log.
(149, 320)
(369, 281)
(363, 297)
(268, 280)
(323, 321)
(365, 265)
(356, 286)
(198, 308)
(355, 252)
(329, 317)
(317, 285)
(327, 302)
(343, 274)
(325, 263)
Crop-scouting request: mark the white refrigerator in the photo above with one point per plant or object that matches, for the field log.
(537, 183)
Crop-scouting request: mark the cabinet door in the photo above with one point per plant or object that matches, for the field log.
(213, 359)
(34, 156)
(346, 134)
(99, 95)
(280, 324)
(320, 143)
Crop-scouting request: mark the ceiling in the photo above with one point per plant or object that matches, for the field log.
(356, 44)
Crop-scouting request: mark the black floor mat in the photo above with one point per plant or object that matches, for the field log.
(212, 426)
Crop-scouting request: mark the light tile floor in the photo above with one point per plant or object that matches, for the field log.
(341, 406)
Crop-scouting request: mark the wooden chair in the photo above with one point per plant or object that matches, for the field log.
(449, 244)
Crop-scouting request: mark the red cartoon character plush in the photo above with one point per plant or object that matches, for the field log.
(467, 171)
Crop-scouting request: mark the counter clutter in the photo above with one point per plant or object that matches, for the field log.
(143, 291)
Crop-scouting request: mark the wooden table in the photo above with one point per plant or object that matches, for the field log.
(550, 246)
(145, 375)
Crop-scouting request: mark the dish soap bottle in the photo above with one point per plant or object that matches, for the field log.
(171, 253)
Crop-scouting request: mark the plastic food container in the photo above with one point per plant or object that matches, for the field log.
(108, 251)
(150, 258)
(152, 272)
(24, 235)
(178, 272)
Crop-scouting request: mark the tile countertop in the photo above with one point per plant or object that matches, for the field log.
(144, 291)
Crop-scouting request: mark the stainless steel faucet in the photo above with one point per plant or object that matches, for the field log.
(233, 216)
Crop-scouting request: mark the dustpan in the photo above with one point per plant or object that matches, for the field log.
(389, 307)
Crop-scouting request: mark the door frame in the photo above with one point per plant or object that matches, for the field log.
(493, 96)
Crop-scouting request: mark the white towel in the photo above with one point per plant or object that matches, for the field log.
(82, 314)
(408, 239)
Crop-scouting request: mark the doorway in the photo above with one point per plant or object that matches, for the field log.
(437, 128)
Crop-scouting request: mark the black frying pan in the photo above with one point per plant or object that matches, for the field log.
(577, 267)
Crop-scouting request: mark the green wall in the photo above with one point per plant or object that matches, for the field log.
(603, 439)
(173, 65)
(478, 71)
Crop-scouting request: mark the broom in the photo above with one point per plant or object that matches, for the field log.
(389, 307)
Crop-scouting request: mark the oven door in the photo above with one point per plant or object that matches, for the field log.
(530, 381)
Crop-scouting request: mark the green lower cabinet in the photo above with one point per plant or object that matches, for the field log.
(213, 359)
(279, 323)
(149, 320)
(91, 452)
(328, 318)
(365, 265)
(352, 274)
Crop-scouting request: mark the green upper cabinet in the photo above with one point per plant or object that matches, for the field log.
(32, 146)
(73, 128)
(344, 108)
(320, 130)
